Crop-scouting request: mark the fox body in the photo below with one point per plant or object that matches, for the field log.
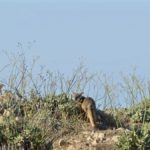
(88, 106)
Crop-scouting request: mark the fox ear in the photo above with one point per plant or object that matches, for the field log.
(75, 94)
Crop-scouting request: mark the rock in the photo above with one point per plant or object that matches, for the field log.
(115, 138)
(98, 136)
(120, 129)
(95, 142)
(89, 138)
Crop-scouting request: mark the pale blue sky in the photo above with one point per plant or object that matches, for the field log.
(109, 35)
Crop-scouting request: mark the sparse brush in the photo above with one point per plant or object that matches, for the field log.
(41, 107)
(135, 140)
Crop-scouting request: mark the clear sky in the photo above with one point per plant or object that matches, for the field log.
(109, 35)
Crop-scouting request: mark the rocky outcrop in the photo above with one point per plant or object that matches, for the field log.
(90, 140)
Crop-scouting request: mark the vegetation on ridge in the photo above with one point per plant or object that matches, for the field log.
(37, 110)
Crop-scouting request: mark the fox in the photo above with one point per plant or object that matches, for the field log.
(88, 106)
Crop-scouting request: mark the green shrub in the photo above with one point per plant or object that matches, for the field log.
(135, 140)
(141, 112)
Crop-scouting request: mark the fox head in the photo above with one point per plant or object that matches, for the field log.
(77, 96)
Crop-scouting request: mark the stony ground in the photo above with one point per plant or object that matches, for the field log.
(89, 140)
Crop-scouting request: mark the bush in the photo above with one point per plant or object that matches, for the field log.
(135, 140)
(141, 112)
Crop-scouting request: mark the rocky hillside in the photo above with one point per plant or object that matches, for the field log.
(89, 140)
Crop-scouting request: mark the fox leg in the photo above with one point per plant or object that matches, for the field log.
(91, 116)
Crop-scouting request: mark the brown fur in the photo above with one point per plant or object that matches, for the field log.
(88, 106)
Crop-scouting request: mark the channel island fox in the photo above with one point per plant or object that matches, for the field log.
(88, 106)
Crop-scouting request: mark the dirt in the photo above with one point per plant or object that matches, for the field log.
(89, 140)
